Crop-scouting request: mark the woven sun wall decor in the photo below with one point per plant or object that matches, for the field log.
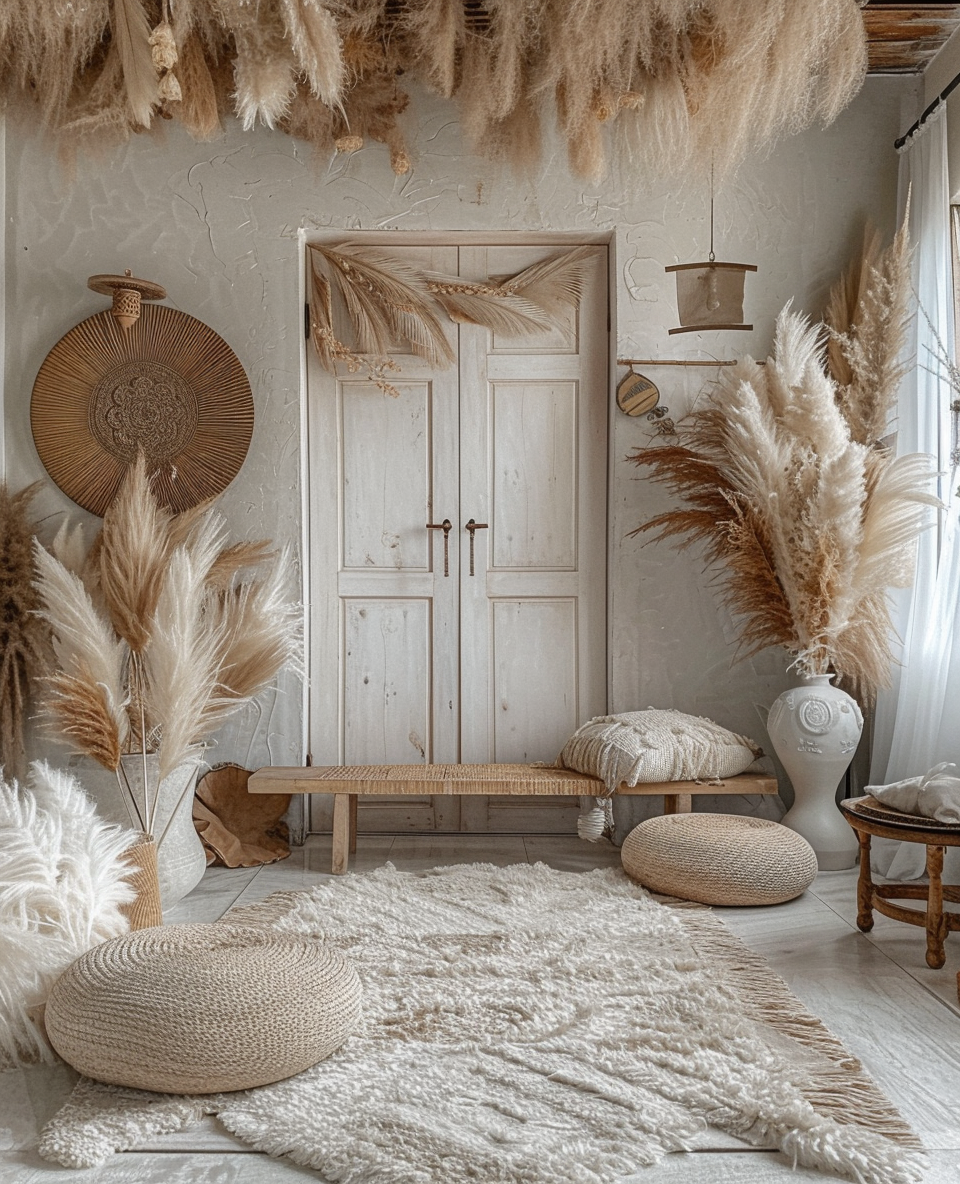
(166, 385)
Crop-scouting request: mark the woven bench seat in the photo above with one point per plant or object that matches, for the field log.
(347, 782)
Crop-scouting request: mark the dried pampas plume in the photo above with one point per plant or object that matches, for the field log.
(21, 633)
(131, 32)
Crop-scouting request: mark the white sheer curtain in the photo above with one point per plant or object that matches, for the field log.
(918, 721)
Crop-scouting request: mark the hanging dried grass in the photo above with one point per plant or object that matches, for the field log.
(810, 527)
(131, 35)
(21, 632)
(676, 80)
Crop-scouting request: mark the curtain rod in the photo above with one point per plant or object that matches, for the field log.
(928, 111)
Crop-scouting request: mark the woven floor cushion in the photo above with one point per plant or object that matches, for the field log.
(202, 1008)
(719, 859)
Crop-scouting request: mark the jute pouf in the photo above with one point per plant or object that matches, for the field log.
(202, 1008)
(719, 859)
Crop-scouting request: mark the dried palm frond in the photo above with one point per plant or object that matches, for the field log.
(330, 349)
(809, 526)
(21, 633)
(131, 35)
(387, 303)
(487, 304)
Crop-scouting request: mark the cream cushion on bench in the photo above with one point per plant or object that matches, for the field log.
(195, 1009)
(723, 859)
(656, 745)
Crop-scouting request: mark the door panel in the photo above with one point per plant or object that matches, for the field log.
(386, 679)
(409, 664)
(534, 707)
(534, 475)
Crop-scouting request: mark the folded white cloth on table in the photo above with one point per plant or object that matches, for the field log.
(935, 794)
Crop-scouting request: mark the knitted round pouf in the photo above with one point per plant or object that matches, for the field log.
(202, 1008)
(719, 858)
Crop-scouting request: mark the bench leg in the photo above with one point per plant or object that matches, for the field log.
(341, 833)
(677, 803)
(354, 798)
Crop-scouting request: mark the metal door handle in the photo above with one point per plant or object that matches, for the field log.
(473, 526)
(446, 526)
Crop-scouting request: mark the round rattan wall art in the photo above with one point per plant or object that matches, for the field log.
(166, 384)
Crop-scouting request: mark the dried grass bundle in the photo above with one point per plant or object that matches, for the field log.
(679, 78)
(21, 633)
(158, 668)
(810, 526)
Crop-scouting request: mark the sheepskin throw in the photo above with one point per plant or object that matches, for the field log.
(62, 886)
(935, 794)
(528, 1024)
(656, 745)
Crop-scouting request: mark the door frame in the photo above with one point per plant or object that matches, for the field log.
(387, 238)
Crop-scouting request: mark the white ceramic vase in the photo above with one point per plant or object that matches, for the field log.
(815, 729)
(181, 860)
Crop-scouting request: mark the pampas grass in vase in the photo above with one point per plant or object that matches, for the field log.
(161, 632)
(783, 476)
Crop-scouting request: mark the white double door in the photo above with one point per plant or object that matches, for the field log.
(458, 553)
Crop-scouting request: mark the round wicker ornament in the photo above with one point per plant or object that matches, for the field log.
(721, 859)
(197, 1009)
(168, 386)
(636, 394)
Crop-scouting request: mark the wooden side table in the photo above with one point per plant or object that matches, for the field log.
(869, 817)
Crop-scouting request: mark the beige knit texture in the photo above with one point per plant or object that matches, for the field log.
(202, 1008)
(719, 859)
(656, 745)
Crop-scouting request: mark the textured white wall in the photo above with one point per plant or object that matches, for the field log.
(217, 225)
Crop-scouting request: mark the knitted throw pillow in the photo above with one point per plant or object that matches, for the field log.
(656, 745)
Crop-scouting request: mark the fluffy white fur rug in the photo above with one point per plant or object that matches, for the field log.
(528, 1024)
(62, 882)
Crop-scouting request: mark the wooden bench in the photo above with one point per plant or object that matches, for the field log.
(347, 782)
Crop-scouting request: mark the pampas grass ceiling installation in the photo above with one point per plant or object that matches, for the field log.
(674, 79)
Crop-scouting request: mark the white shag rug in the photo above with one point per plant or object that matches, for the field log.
(525, 1024)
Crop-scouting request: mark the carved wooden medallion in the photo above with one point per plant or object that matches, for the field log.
(169, 386)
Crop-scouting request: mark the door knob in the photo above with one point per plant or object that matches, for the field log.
(473, 526)
(446, 526)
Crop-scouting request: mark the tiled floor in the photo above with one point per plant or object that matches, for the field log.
(873, 991)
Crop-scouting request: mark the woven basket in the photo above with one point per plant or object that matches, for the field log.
(202, 1008)
(145, 911)
(723, 859)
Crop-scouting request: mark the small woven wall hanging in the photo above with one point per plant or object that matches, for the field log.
(710, 294)
(141, 377)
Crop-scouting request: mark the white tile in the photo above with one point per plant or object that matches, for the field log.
(567, 853)
(416, 853)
